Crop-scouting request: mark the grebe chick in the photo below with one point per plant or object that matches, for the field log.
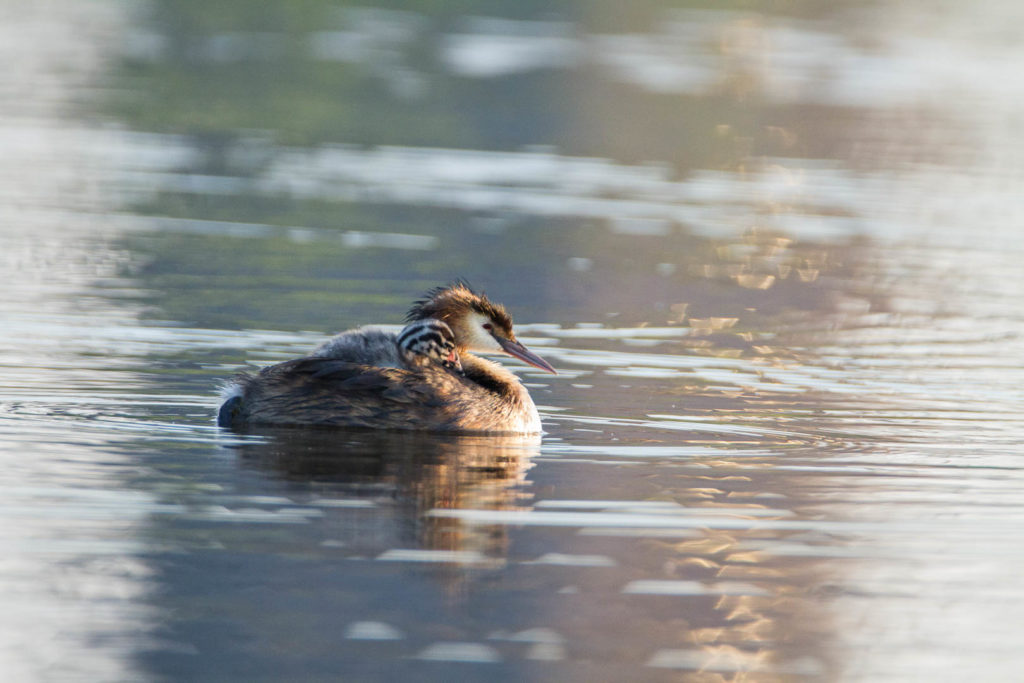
(424, 378)
(423, 342)
(417, 344)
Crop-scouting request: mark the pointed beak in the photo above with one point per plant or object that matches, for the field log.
(517, 350)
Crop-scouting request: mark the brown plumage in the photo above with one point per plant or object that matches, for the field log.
(424, 378)
(453, 303)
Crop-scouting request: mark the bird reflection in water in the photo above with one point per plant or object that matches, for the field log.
(407, 474)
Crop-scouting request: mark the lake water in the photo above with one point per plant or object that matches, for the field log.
(775, 256)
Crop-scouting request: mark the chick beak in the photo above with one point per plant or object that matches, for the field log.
(453, 361)
(517, 350)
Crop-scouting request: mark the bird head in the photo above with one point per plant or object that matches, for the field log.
(427, 341)
(478, 323)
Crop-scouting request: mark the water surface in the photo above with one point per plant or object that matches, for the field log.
(774, 256)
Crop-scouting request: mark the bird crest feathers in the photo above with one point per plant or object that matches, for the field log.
(452, 302)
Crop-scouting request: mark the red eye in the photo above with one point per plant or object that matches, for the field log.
(488, 326)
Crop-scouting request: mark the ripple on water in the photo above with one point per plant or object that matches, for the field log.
(833, 492)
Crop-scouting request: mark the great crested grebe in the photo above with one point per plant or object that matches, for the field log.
(423, 378)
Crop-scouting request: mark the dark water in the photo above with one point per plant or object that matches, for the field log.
(774, 253)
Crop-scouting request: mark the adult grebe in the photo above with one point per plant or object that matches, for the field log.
(424, 378)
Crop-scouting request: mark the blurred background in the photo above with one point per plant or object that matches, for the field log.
(773, 247)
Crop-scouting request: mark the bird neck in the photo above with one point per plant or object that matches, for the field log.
(491, 376)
